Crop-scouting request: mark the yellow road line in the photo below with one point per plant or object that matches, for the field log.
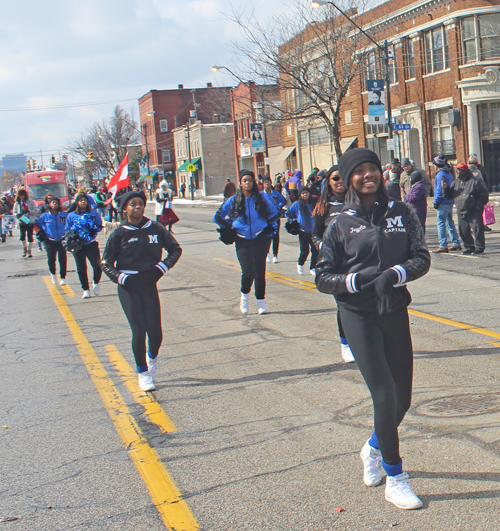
(151, 407)
(173, 510)
(68, 291)
(282, 279)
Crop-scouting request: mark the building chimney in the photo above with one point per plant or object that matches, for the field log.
(180, 87)
(209, 85)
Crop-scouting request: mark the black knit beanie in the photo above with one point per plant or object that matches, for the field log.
(246, 172)
(353, 158)
(125, 198)
(304, 189)
(331, 170)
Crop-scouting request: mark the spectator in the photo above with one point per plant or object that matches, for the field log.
(393, 186)
(229, 189)
(477, 169)
(417, 197)
(408, 169)
(183, 190)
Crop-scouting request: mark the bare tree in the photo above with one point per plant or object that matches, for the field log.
(312, 54)
(108, 140)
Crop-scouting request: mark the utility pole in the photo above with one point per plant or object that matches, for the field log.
(146, 146)
(191, 188)
(388, 96)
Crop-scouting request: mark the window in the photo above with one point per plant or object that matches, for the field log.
(165, 153)
(319, 135)
(489, 32)
(393, 71)
(490, 118)
(372, 68)
(163, 126)
(436, 50)
(289, 130)
(348, 117)
(469, 39)
(442, 142)
(410, 58)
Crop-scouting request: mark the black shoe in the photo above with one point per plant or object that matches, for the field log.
(478, 251)
(467, 251)
(487, 229)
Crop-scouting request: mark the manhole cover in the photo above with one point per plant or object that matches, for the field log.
(460, 405)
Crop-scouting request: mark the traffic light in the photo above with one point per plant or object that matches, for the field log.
(90, 156)
(28, 164)
(53, 159)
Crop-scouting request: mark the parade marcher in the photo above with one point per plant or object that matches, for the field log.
(293, 184)
(405, 179)
(100, 199)
(253, 216)
(46, 204)
(53, 223)
(369, 253)
(314, 185)
(167, 216)
(328, 207)
(470, 196)
(301, 210)
(25, 211)
(83, 220)
(4, 211)
(417, 197)
(279, 202)
(229, 189)
(133, 260)
(444, 208)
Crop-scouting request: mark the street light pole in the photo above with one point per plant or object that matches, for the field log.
(384, 50)
(146, 146)
(190, 173)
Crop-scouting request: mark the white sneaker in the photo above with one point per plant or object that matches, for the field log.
(54, 278)
(300, 269)
(244, 303)
(275, 260)
(63, 282)
(86, 294)
(261, 306)
(97, 290)
(372, 463)
(268, 259)
(347, 354)
(398, 491)
(313, 272)
(146, 382)
(151, 366)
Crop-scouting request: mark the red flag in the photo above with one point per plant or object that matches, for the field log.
(120, 179)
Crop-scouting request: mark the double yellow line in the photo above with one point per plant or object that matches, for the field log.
(174, 511)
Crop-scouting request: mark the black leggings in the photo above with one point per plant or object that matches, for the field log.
(26, 230)
(56, 249)
(91, 252)
(142, 308)
(306, 243)
(252, 258)
(276, 240)
(381, 345)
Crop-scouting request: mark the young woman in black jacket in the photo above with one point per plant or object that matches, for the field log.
(369, 253)
(329, 206)
(133, 260)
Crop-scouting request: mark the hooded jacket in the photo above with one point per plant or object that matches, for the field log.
(443, 173)
(251, 224)
(134, 249)
(294, 183)
(469, 194)
(387, 237)
(54, 225)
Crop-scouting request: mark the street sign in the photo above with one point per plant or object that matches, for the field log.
(401, 127)
(191, 167)
(390, 144)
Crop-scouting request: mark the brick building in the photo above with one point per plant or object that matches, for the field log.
(161, 111)
(444, 74)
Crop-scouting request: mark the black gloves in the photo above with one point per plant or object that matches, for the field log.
(139, 280)
(435, 205)
(132, 283)
(383, 286)
(363, 279)
(153, 274)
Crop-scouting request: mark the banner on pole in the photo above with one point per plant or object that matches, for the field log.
(376, 101)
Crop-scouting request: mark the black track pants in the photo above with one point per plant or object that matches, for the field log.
(91, 252)
(142, 308)
(384, 354)
(56, 249)
(26, 230)
(252, 258)
(306, 243)
(276, 240)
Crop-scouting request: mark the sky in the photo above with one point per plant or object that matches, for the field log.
(69, 52)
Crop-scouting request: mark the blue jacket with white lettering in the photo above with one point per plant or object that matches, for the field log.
(132, 249)
(358, 241)
(54, 225)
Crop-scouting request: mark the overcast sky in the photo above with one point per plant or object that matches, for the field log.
(63, 52)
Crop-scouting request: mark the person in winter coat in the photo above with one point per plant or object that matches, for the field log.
(100, 199)
(279, 202)
(25, 211)
(229, 189)
(405, 178)
(444, 208)
(4, 211)
(328, 207)
(314, 185)
(133, 260)
(292, 186)
(417, 197)
(369, 253)
(393, 186)
(53, 223)
(46, 204)
(163, 206)
(477, 169)
(90, 249)
(470, 196)
(253, 216)
(301, 210)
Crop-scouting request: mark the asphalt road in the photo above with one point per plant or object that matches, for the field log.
(266, 420)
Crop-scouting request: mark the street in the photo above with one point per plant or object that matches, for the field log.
(257, 423)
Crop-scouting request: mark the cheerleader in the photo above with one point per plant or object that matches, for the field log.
(329, 206)
(133, 260)
(369, 253)
(301, 211)
(279, 202)
(25, 211)
(90, 248)
(253, 217)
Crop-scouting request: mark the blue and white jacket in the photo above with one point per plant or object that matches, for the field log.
(54, 225)
(306, 225)
(277, 198)
(251, 224)
(73, 217)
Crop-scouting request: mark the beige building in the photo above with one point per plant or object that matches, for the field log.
(210, 149)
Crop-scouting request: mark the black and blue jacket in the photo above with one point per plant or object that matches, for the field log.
(54, 225)
(294, 212)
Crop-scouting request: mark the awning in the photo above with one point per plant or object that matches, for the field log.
(285, 154)
(184, 165)
(143, 178)
(345, 143)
